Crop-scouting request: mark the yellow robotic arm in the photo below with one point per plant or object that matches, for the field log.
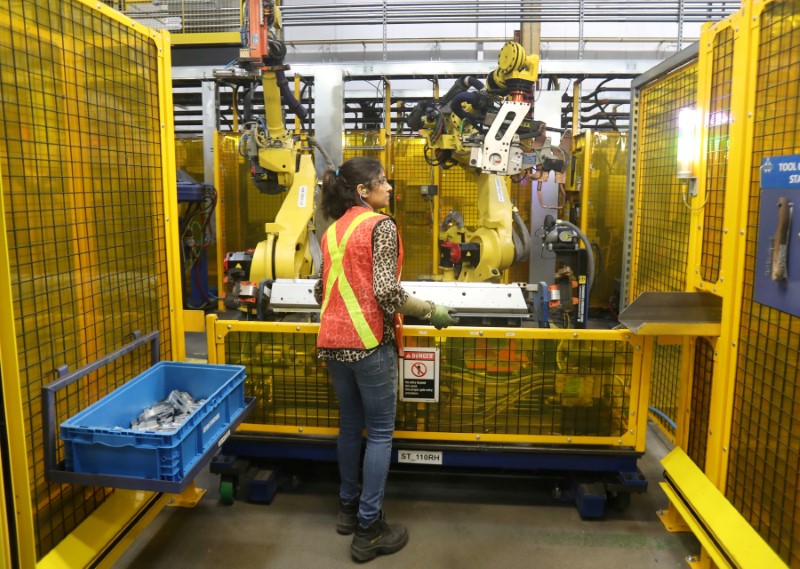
(280, 162)
(488, 131)
(480, 255)
(515, 70)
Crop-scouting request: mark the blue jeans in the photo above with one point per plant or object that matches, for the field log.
(367, 392)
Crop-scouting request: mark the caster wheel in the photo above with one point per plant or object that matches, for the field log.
(620, 502)
(226, 492)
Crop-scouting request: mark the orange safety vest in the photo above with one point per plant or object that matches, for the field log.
(351, 316)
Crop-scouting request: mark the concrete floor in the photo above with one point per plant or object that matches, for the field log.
(454, 521)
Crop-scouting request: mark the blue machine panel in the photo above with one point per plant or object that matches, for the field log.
(189, 190)
(780, 192)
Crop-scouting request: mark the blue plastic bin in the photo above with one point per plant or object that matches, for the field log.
(93, 445)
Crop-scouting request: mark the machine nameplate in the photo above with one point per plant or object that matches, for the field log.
(419, 456)
(501, 189)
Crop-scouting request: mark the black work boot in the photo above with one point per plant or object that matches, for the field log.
(379, 538)
(347, 518)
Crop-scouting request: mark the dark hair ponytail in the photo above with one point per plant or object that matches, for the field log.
(339, 185)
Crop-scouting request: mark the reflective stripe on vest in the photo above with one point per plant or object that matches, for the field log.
(336, 277)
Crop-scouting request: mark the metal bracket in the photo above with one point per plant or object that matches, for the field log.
(66, 378)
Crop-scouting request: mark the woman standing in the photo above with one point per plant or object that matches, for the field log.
(360, 293)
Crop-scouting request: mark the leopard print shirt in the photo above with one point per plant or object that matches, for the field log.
(388, 292)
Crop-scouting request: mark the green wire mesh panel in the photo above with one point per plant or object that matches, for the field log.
(362, 143)
(662, 219)
(245, 210)
(526, 387)
(700, 406)
(290, 384)
(517, 387)
(80, 157)
(414, 210)
(717, 154)
(459, 193)
(604, 200)
(189, 158)
(664, 385)
(764, 471)
(183, 16)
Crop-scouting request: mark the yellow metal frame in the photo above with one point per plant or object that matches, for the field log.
(731, 273)
(725, 536)
(687, 345)
(105, 533)
(15, 417)
(633, 438)
(193, 320)
(697, 499)
(170, 191)
(102, 537)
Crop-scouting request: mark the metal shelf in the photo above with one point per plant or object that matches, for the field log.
(674, 314)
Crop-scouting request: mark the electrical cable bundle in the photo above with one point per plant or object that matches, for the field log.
(197, 235)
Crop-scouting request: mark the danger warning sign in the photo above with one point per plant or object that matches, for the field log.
(419, 379)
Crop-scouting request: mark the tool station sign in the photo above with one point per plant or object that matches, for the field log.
(419, 375)
(777, 270)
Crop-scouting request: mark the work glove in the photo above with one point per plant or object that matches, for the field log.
(417, 308)
(442, 316)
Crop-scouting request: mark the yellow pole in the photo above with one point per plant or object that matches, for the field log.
(170, 196)
(746, 25)
(20, 482)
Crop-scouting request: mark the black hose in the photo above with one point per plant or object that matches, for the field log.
(460, 86)
(416, 118)
(589, 252)
(521, 237)
(288, 96)
(247, 113)
(471, 97)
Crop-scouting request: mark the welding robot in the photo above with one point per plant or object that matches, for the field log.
(489, 131)
(280, 163)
